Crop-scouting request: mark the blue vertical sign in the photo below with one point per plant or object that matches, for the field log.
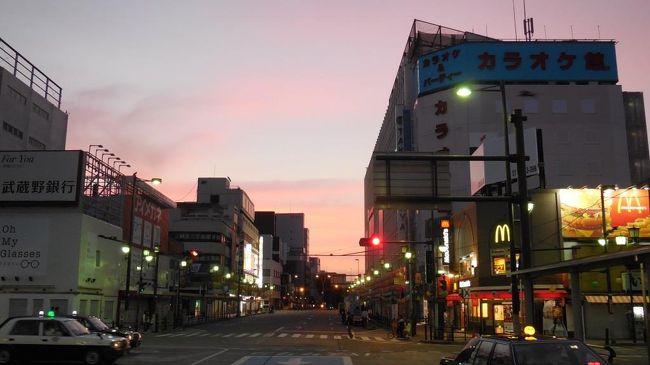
(486, 62)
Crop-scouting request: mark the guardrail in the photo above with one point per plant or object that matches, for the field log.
(31, 75)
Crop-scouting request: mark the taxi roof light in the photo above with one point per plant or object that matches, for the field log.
(529, 331)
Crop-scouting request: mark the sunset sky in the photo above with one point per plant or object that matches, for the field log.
(285, 97)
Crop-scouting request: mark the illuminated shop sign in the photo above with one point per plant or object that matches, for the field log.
(517, 61)
(502, 233)
(464, 284)
(582, 212)
(445, 224)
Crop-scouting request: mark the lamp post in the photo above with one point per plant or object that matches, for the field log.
(514, 284)
(134, 188)
(605, 243)
(156, 251)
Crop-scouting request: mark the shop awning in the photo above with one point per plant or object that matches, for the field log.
(616, 299)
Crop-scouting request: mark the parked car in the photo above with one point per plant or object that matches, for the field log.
(95, 324)
(528, 350)
(56, 339)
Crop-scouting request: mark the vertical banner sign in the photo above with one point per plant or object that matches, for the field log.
(445, 225)
(23, 246)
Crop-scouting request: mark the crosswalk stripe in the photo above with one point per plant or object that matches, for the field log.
(204, 334)
(295, 335)
(283, 335)
(228, 335)
(309, 336)
(379, 339)
(192, 334)
(365, 338)
(242, 335)
(164, 335)
(337, 337)
(255, 335)
(323, 337)
(177, 334)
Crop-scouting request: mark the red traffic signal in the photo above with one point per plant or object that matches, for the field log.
(193, 253)
(373, 241)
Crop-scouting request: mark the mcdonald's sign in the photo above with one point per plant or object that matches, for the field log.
(502, 233)
(628, 206)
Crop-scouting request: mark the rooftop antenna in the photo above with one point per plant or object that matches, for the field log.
(572, 37)
(545, 35)
(598, 26)
(514, 19)
(528, 25)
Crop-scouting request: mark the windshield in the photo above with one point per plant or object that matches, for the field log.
(97, 323)
(558, 353)
(76, 328)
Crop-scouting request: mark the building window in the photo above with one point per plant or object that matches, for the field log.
(40, 112)
(531, 106)
(12, 130)
(16, 96)
(36, 143)
(559, 106)
(588, 106)
(98, 258)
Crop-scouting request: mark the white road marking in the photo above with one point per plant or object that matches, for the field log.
(323, 337)
(255, 335)
(217, 334)
(309, 336)
(365, 338)
(209, 357)
(379, 339)
(192, 334)
(204, 334)
(283, 335)
(228, 335)
(295, 335)
(270, 334)
(337, 337)
(165, 335)
(242, 335)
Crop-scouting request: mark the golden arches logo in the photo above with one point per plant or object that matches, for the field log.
(502, 233)
(630, 204)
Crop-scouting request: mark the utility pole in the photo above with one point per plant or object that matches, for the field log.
(517, 119)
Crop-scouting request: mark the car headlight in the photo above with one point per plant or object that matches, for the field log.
(130, 337)
(116, 344)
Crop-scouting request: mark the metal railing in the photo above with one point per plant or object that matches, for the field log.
(31, 75)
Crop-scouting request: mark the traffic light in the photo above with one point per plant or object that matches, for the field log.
(192, 254)
(372, 241)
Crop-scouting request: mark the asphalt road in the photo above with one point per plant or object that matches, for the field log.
(299, 338)
(284, 338)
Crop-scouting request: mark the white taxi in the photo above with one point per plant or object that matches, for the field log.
(56, 339)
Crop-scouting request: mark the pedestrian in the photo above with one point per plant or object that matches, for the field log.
(401, 325)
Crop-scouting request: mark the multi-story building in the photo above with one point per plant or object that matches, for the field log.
(220, 227)
(275, 258)
(30, 105)
(581, 130)
(70, 209)
(290, 227)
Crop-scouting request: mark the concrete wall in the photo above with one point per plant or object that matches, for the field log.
(18, 111)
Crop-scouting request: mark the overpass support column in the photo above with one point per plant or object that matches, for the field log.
(576, 305)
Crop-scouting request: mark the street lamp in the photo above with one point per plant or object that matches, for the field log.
(604, 242)
(134, 190)
(517, 119)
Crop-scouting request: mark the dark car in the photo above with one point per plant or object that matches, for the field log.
(56, 339)
(502, 350)
(95, 324)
